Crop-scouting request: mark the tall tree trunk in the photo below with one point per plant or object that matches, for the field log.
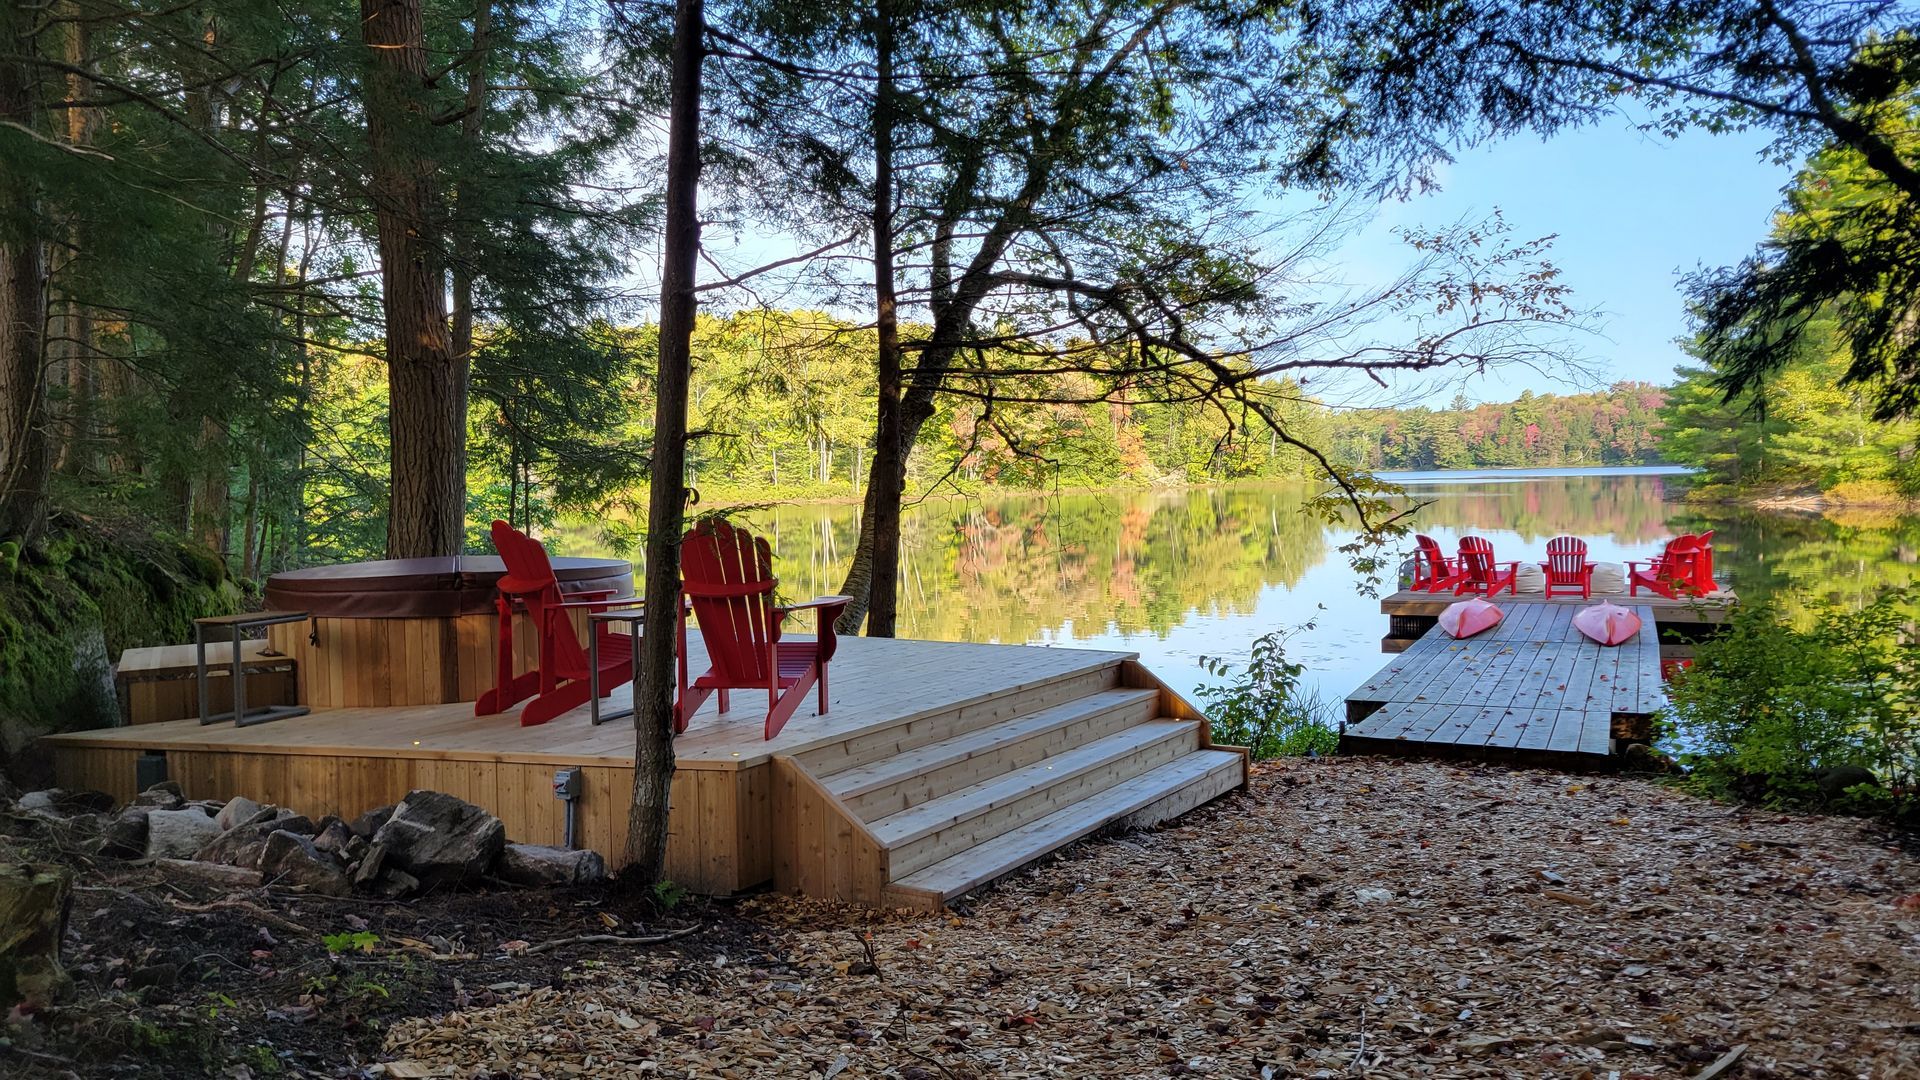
(208, 502)
(71, 346)
(470, 126)
(426, 514)
(200, 494)
(250, 517)
(916, 408)
(666, 497)
(886, 482)
(25, 453)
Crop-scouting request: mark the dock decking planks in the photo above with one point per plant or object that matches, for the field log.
(1532, 685)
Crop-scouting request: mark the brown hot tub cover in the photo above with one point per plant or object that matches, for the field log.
(425, 588)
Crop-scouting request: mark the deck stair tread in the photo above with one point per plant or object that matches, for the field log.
(1219, 770)
(861, 780)
(1027, 782)
(913, 731)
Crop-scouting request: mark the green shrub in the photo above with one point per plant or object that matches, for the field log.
(1263, 705)
(351, 941)
(668, 895)
(1775, 714)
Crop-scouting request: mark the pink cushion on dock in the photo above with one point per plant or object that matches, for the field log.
(1608, 624)
(1470, 617)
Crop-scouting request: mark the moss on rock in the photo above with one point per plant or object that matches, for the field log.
(67, 614)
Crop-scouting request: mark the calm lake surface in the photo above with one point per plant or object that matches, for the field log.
(1180, 574)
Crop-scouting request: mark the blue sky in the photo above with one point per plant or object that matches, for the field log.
(1632, 212)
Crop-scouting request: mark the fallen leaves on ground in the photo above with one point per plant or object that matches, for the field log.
(1531, 927)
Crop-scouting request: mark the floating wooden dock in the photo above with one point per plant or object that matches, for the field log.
(939, 767)
(1532, 688)
(1411, 614)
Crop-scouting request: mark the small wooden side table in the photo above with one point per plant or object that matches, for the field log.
(631, 618)
(239, 625)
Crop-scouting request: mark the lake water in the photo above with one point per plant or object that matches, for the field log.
(1175, 575)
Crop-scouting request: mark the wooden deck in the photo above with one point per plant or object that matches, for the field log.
(931, 751)
(1531, 688)
(1411, 614)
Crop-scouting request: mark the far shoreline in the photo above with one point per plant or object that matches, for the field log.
(1400, 477)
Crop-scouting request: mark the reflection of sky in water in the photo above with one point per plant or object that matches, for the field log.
(1176, 575)
(1343, 648)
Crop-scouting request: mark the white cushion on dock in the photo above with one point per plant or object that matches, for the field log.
(1529, 578)
(1609, 579)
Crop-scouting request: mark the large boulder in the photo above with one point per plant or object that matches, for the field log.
(290, 860)
(440, 839)
(33, 918)
(539, 864)
(241, 845)
(369, 823)
(293, 823)
(126, 835)
(238, 809)
(369, 866)
(164, 795)
(178, 834)
(396, 884)
(66, 802)
(333, 837)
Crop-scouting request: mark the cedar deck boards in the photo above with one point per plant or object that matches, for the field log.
(1532, 687)
(874, 683)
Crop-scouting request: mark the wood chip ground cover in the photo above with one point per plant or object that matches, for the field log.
(1347, 917)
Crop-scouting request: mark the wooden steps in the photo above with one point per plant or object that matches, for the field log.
(920, 812)
(878, 744)
(931, 771)
(1173, 788)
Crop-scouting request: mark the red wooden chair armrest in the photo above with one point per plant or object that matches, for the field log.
(828, 606)
(820, 602)
(823, 633)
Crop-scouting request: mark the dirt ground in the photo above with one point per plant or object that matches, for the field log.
(1344, 917)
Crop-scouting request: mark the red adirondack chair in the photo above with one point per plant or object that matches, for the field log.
(1479, 573)
(1567, 567)
(727, 579)
(560, 681)
(1432, 570)
(1676, 570)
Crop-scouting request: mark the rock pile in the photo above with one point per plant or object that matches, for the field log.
(428, 840)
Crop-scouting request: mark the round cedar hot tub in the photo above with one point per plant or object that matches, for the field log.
(411, 631)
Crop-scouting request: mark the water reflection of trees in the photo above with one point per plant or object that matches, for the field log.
(1014, 569)
(1800, 559)
(1633, 510)
(1018, 568)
